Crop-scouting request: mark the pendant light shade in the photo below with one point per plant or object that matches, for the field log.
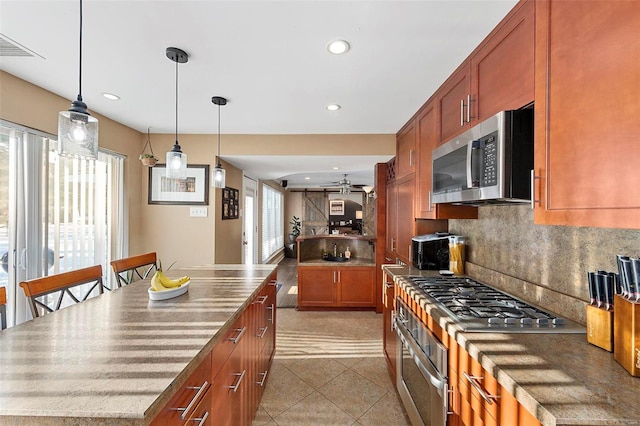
(77, 129)
(176, 159)
(218, 174)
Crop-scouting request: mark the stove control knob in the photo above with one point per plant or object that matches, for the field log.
(493, 321)
(526, 321)
(510, 320)
(558, 321)
(542, 321)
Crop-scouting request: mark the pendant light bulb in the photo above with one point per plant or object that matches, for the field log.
(176, 159)
(77, 129)
(218, 175)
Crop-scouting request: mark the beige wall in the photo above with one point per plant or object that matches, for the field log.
(31, 106)
(166, 229)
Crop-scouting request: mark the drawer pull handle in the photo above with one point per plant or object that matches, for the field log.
(235, 387)
(236, 339)
(202, 419)
(261, 300)
(264, 377)
(193, 401)
(475, 382)
(263, 331)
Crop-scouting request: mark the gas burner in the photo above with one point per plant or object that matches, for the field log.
(476, 306)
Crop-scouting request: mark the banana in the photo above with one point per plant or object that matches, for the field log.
(156, 284)
(168, 282)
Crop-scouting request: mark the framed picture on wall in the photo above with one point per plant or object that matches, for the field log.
(192, 190)
(230, 207)
(336, 207)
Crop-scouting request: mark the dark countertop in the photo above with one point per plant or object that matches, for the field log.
(341, 236)
(560, 378)
(350, 263)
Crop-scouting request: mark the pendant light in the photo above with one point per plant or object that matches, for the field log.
(77, 129)
(176, 159)
(218, 175)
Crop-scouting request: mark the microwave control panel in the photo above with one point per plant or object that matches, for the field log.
(489, 145)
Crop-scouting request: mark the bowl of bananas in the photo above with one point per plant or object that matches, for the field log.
(163, 287)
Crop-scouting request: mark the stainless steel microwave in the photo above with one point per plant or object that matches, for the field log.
(489, 163)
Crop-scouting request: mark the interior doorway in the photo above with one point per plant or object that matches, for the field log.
(250, 221)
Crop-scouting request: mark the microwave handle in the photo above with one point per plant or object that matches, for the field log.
(473, 168)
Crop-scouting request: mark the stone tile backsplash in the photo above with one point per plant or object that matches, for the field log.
(546, 265)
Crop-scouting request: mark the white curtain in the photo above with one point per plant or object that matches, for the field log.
(272, 222)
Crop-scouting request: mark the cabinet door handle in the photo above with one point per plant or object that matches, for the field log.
(469, 116)
(261, 299)
(262, 332)
(334, 277)
(339, 276)
(272, 309)
(393, 321)
(388, 285)
(411, 157)
(393, 240)
(388, 259)
(461, 112)
(451, 394)
(240, 376)
(192, 403)
(475, 382)
(264, 377)
(430, 203)
(236, 339)
(201, 420)
(533, 190)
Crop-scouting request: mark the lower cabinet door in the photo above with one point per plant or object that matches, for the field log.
(389, 333)
(202, 414)
(317, 286)
(356, 287)
(226, 391)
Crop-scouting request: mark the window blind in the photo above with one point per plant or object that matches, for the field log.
(272, 222)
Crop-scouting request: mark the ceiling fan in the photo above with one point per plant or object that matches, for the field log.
(344, 184)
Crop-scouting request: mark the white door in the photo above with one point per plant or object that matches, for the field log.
(250, 221)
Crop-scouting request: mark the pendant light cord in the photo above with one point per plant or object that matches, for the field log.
(219, 136)
(176, 102)
(80, 64)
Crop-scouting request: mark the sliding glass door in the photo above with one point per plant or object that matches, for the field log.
(56, 214)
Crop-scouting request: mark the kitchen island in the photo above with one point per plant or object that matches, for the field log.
(327, 279)
(559, 379)
(123, 359)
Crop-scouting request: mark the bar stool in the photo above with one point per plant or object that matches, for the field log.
(46, 294)
(134, 268)
(3, 308)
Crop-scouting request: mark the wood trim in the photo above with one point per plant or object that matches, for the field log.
(44, 285)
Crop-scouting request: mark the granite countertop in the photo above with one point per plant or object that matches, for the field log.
(349, 263)
(559, 378)
(119, 357)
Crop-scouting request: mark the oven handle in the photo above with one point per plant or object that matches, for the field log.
(421, 361)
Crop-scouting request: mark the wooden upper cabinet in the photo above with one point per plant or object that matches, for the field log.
(587, 91)
(405, 217)
(406, 151)
(497, 76)
(502, 67)
(452, 98)
(391, 237)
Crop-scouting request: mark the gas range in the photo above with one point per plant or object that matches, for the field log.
(477, 307)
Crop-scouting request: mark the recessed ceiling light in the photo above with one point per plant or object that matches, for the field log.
(111, 96)
(338, 47)
(333, 107)
(336, 168)
(307, 178)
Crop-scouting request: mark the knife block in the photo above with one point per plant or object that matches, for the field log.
(626, 328)
(600, 327)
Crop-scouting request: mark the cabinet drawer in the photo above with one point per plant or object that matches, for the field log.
(184, 402)
(225, 346)
(202, 414)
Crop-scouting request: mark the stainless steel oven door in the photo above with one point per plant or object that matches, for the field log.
(421, 387)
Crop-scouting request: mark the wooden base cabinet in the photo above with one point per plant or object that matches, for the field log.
(226, 388)
(389, 336)
(336, 287)
(586, 105)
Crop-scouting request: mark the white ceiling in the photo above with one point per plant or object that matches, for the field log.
(269, 58)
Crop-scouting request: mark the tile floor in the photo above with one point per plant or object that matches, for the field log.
(329, 370)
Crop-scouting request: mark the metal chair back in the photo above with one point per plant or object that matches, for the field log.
(134, 268)
(47, 294)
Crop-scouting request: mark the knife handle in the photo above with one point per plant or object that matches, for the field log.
(635, 268)
(591, 277)
(627, 277)
(608, 292)
(600, 290)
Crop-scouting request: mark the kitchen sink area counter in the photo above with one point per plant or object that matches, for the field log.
(558, 378)
(311, 249)
(119, 358)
